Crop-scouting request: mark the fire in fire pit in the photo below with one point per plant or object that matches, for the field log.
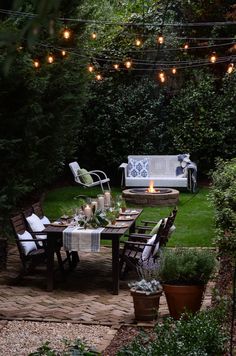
(151, 188)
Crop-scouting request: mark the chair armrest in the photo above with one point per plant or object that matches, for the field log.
(92, 173)
(123, 167)
(134, 243)
(149, 222)
(97, 172)
(140, 236)
(142, 229)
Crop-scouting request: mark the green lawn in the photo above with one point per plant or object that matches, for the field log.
(194, 221)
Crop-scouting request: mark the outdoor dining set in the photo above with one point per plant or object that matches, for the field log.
(96, 220)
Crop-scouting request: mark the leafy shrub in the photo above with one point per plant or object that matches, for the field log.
(223, 197)
(202, 118)
(186, 266)
(201, 334)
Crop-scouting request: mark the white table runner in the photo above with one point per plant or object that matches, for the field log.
(85, 240)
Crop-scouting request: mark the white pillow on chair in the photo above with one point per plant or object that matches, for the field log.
(28, 246)
(45, 220)
(36, 225)
(147, 249)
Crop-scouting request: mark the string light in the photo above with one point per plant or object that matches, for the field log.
(230, 68)
(174, 70)
(128, 64)
(90, 68)
(116, 66)
(98, 77)
(162, 76)
(160, 39)
(66, 33)
(36, 63)
(50, 59)
(94, 35)
(63, 53)
(138, 42)
(186, 46)
(213, 57)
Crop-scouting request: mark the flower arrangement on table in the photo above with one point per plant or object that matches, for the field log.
(97, 219)
(91, 216)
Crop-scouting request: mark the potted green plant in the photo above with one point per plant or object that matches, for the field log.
(146, 294)
(184, 274)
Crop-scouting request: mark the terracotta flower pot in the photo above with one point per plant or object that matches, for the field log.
(182, 298)
(145, 305)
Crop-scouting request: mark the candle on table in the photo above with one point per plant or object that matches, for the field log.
(88, 212)
(107, 198)
(94, 204)
(101, 202)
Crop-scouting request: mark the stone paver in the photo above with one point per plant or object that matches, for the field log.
(84, 297)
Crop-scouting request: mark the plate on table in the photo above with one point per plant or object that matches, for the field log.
(130, 212)
(117, 225)
(60, 223)
(125, 218)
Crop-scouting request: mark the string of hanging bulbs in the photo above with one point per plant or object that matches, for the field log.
(142, 65)
(161, 67)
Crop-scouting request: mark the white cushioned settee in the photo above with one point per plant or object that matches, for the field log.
(165, 170)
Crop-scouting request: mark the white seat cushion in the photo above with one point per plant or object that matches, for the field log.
(28, 246)
(147, 249)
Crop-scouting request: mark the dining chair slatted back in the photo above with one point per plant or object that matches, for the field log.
(38, 210)
(36, 254)
(140, 248)
(164, 236)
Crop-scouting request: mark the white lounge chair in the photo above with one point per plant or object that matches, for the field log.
(96, 177)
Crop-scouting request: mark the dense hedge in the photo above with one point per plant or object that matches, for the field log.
(39, 119)
(140, 117)
(122, 119)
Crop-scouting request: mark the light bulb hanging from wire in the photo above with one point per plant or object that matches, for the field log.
(160, 39)
(90, 68)
(63, 53)
(162, 77)
(174, 70)
(36, 63)
(128, 64)
(98, 76)
(186, 46)
(66, 33)
(94, 35)
(230, 68)
(50, 59)
(138, 42)
(116, 66)
(213, 57)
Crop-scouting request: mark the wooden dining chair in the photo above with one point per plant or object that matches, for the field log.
(142, 247)
(139, 249)
(72, 256)
(31, 253)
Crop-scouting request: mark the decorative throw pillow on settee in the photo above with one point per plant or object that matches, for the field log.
(138, 168)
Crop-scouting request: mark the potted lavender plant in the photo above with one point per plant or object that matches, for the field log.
(146, 293)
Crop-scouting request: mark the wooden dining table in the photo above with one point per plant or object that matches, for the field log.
(55, 236)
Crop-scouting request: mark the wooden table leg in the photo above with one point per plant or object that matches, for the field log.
(115, 264)
(50, 262)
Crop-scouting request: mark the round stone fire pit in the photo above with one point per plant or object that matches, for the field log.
(161, 197)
